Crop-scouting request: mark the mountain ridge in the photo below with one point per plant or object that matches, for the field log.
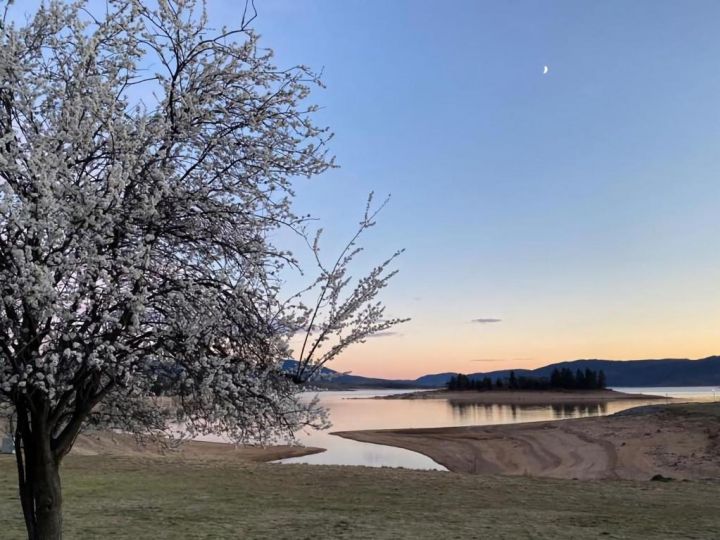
(619, 373)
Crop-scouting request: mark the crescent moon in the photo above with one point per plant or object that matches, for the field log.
(545, 70)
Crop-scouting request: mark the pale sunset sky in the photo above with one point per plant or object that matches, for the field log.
(579, 209)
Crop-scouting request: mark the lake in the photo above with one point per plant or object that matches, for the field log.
(354, 410)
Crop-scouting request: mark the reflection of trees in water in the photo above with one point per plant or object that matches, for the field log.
(573, 410)
(489, 411)
(464, 409)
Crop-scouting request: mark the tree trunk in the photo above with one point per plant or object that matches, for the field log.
(39, 483)
(47, 495)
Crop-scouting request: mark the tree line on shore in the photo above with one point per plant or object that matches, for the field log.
(560, 379)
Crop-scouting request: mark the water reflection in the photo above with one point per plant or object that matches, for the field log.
(349, 412)
(464, 413)
(575, 410)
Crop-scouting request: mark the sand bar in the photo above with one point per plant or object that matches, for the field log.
(680, 441)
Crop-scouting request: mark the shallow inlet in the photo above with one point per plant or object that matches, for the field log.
(348, 413)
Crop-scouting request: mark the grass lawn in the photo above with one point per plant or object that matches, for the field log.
(115, 497)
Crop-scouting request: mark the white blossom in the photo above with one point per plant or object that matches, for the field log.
(144, 163)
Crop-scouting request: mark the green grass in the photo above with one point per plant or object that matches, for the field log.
(170, 498)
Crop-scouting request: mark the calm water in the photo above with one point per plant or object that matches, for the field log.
(689, 393)
(351, 410)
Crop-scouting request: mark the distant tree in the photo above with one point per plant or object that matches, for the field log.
(591, 379)
(460, 381)
(512, 381)
(146, 163)
(555, 379)
(601, 382)
(564, 378)
(580, 382)
(567, 378)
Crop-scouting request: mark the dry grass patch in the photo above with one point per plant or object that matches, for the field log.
(141, 497)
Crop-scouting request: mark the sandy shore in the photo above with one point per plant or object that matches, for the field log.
(103, 443)
(114, 444)
(678, 441)
(520, 397)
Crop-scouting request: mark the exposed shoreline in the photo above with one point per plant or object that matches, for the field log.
(680, 441)
(105, 443)
(523, 397)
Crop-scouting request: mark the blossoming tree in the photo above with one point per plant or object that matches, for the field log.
(145, 161)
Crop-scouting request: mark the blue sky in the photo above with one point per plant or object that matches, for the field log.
(579, 207)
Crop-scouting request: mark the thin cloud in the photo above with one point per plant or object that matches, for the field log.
(384, 334)
(500, 359)
(485, 321)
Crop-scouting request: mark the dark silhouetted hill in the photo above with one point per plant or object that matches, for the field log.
(666, 372)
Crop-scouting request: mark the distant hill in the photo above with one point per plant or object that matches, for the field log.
(333, 379)
(666, 372)
(436, 379)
